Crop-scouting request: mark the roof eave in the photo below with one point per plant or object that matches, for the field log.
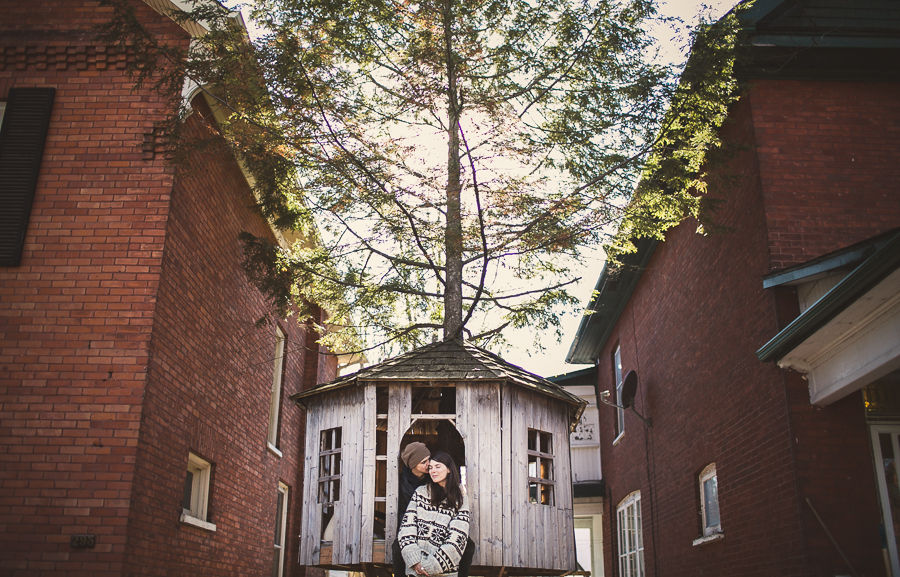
(585, 350)
(858, 282)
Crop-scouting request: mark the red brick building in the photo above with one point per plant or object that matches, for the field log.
(750, 468)
(139, 430)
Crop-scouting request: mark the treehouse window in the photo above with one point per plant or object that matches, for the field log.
(330, 466)
(540, 467)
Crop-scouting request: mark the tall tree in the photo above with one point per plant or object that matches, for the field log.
(446, 160)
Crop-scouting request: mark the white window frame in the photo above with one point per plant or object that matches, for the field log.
(620, 381)
(197, 513)
(275, 398)
(630, 535)
(885, 501)
(709, 532)
(280, 531)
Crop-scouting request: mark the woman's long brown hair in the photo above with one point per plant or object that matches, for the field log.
(451, 493)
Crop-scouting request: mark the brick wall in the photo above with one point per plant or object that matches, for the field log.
(208, 388)
(75, 317)
(829, 155)
(127, 335)
(690, 331)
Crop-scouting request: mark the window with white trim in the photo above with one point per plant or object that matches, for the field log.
(281, 506)
(275, 399)
(195, 499)
(540, 467)
(631, 539)
(709, 501)
(620, 414)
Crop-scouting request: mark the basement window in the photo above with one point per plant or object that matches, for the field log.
(195, 499)
(709, 506)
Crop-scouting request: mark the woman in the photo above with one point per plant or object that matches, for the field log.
(435, 527)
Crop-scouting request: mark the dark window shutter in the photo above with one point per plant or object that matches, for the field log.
(22, 139)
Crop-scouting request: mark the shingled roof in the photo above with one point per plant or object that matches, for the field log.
(453, 360)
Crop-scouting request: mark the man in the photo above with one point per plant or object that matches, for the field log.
(415, 459)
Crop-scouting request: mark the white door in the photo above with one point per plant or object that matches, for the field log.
(886, 446)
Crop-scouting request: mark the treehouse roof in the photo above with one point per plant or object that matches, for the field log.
(452, 360)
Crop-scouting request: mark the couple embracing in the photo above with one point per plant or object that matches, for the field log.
(433, 538)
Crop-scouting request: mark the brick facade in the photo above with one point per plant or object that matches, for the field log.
(815, 177)
(127, 334)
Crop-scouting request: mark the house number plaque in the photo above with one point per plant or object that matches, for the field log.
(83, 541)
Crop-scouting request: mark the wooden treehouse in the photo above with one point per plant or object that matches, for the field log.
(506, 428)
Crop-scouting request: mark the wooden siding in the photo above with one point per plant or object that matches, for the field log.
(399, 409)
(554, 547)
(493, 419)
(478, 421)
(345, 409)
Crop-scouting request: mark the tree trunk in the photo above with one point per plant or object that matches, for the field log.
(453, 232)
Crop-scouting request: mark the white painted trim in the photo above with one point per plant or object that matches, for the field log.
(887, 520)
(189, 520)
(200, 488)
(858, 346)
(275, 390)
(708, 538)
(272, 448)
(280, 547)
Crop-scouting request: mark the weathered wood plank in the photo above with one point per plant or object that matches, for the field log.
(311, 514)
(367, 521)
(393, 486)
(352, 429)
(531, 422)
(496, 473)
(567, 529)
(547, 521)
(505, 472)
(478, 430)
(467, 425)
(520, 482)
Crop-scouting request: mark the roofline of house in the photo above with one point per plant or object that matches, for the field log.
(845, 258)
(593, 331)
(611, 294)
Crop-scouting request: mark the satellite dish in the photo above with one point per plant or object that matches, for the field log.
(629, 389)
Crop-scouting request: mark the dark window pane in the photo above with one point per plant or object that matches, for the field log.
(188, 491)
(546, 446)
(279, 515)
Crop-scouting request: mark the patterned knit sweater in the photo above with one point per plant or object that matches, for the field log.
(433, 536)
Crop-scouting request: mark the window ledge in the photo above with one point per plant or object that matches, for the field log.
(618, 438)
(189, 520)
(273, 449)
(709, 538)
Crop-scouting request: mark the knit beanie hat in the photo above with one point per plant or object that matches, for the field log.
(414, 453)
